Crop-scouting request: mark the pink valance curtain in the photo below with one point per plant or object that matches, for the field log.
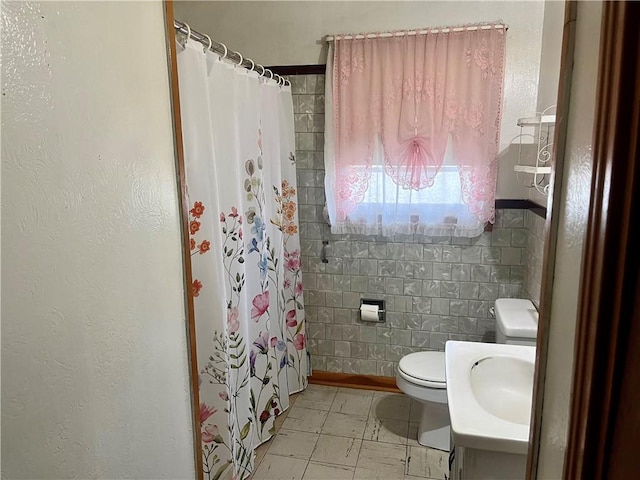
(407, 95)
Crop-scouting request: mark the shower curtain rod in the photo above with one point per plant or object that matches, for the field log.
(331, 38)
(222, 49)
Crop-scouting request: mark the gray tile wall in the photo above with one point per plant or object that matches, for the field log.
(533, 256)
(436, 289)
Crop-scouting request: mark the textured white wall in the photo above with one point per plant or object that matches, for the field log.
(291, 33)
(549, 67)
(572, 212)
(94, 358)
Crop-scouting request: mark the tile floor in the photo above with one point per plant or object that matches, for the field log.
(340, 433)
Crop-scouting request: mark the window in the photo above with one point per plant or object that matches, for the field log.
(411, 133)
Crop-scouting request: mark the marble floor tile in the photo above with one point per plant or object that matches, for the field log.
(337, 450)
(352, 404)
(274, 467)
(291, 443)
(386, 430)
(380, 461)
(305, 419)
(331, 433)
(357, 391)
(261, 451)
(280, 419)
(394, 406)
(326, 471)
(416, 411)
(318, 397)
(344, 425)
(412, 436)
(427, 462)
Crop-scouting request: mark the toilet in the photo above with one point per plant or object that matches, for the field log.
(421, 375)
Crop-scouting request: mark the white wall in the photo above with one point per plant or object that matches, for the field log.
(572, 212)
(291, 33)
(550, 53)
(549, 67)
(95, 376)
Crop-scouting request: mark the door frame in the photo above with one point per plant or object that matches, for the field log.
(604, 423)
(604, 420)
(183, 201)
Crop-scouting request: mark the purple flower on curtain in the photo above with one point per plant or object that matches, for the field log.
(262, 265)
(252, 363)
(260, 305)
(262, 342)
(279, 344)
(253, 246)
(258, 228)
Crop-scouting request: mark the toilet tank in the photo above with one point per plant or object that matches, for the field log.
(516, 321)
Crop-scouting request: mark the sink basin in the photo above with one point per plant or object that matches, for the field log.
(489, 391)
(503, 386)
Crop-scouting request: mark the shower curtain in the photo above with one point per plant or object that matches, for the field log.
(245, 254)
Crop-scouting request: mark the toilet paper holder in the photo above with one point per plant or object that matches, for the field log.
(381, 308)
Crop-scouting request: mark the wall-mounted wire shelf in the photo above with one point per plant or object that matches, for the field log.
(543, 125)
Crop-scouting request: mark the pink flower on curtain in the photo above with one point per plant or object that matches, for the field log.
(292, 321)
(292, 261)
(209, 433)
(233, 323)
(299, 341)
(260, 305)
(206, 411)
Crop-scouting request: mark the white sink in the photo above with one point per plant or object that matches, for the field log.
(489, 390)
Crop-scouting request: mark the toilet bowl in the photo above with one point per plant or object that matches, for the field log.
(421, 375)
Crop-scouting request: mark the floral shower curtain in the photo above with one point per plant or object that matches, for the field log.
(245, 254)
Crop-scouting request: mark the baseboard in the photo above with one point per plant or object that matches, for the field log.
(364, 382)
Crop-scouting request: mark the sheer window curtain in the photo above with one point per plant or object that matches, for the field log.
(245, 255)
(412, 132)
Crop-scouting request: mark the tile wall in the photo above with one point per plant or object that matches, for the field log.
(533, 256)
(436, 288)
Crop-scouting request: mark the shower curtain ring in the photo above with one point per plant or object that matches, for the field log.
(210, 43)
(270, 74)
(252, 64)
(225, 51)
(263, 69)
(188, 31)
(241, 58)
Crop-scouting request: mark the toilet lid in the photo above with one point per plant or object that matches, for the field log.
(424, 366)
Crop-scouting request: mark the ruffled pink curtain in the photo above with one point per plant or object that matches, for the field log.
(410, 93)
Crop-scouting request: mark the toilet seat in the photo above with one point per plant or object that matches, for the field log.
(423, 368)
